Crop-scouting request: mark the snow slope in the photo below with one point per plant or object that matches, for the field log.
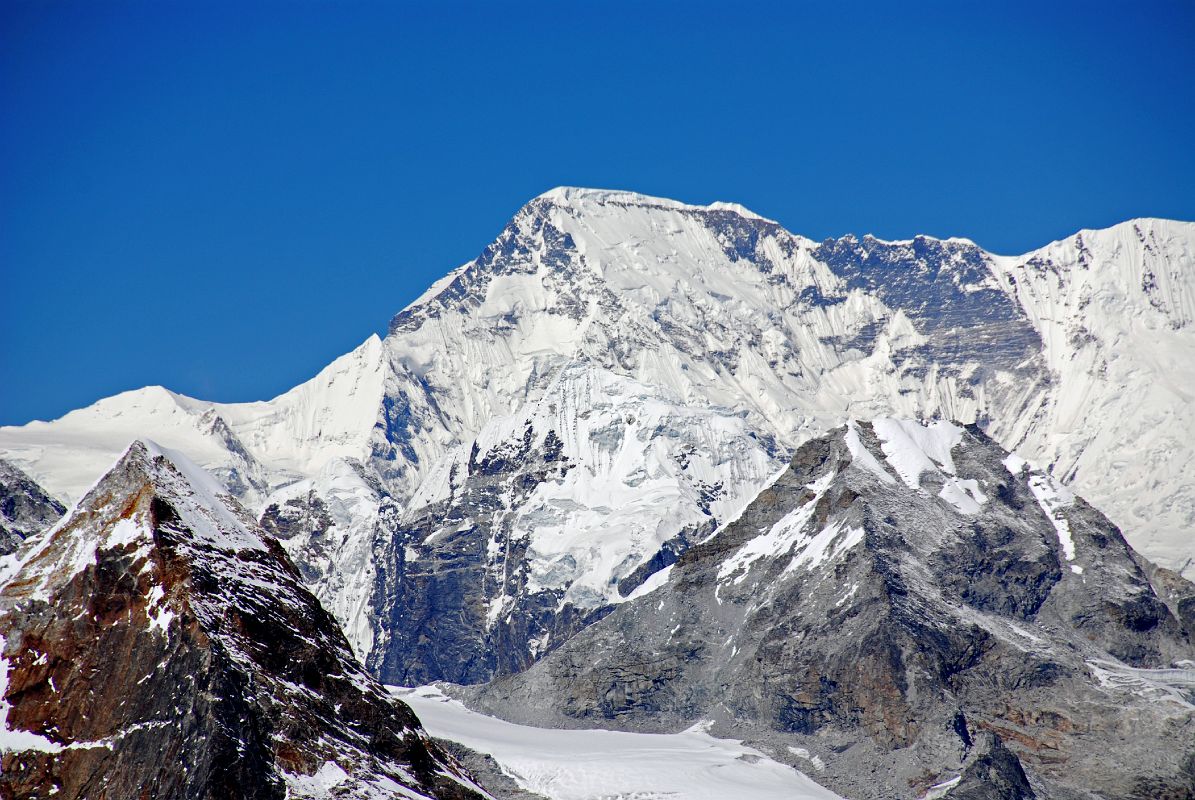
(252, 447)
(1114, 309)
(1078, 355)
(599, 764)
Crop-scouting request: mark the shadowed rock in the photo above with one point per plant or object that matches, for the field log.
(921, 612)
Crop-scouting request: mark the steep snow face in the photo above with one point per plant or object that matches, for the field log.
(1115, 311)
(637, 452)
(550, 516)
(333, 415)
(328, 525)
(1050, 352)
(720, 308)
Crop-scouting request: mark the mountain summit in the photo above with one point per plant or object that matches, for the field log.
(157, 644)
(616, 376)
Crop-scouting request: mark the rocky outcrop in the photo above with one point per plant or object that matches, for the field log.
(547, 520)
(25, 508)
(1076, 355)
(916, 610)
(156, 643)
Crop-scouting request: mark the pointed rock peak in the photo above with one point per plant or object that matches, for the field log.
(119, 513)
(157, 625)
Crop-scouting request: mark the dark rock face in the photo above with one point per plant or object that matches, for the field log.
(942, 286)
(306, 518)
(25, 508)
(443, 569)
(947, 628)
(159, 645)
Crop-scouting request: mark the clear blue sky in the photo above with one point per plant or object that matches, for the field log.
(221, 198)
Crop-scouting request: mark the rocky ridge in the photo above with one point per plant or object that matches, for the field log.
(157, 644)
(1078, 355)
(25, 508)
(906, 610)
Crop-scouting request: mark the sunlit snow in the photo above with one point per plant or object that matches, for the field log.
(601, 764)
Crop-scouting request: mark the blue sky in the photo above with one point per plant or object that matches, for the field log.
(220, 198)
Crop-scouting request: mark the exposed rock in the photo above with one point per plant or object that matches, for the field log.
(157, 644)
(913, 606)
(546, 521)
(25, 508)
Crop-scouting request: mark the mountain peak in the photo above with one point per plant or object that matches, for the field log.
(904, 593)
(582, 198)
(157, 625)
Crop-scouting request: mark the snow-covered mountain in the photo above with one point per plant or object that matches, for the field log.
(156, 643)
(908, 609)
(616, 375)
(550, 517)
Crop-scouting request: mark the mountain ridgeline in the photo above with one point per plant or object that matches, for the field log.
(646, 463)
(157, 644)
(907, 606)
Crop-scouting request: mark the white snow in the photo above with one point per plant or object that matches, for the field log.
(801, 752)
(965, 495)
(1014, 464)
(653, 582)
(347, 562)
(1159, 685)
(829, 543)
(331, 415)
(914, 448)
(942, 789)
(601, 764)
(1053, 497)
(319, 784)
(863, 457)
(216, 522)
(785, 536)
(1116, 312)
(630, 490)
